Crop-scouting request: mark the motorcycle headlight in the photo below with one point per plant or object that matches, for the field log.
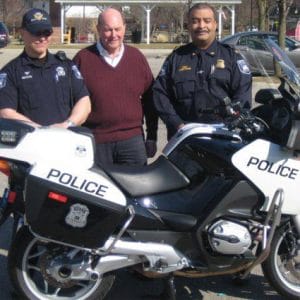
(11, 131)
(8, 136)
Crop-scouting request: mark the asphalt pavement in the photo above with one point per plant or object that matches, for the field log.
(127, 285)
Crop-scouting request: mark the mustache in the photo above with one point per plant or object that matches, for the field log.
(201, 31)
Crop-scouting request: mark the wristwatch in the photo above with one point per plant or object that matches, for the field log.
(70, 123)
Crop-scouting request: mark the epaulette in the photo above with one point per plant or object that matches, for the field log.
(175, 50)
(176, 47)
(183, 49)
(231, 47)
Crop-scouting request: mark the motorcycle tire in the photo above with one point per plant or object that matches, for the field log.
(24, 266)
(280, 268)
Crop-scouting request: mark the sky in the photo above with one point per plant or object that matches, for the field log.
(78, 11)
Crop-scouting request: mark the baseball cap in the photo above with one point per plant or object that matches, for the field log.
(37, 22)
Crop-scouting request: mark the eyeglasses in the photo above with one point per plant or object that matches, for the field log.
(44, 33)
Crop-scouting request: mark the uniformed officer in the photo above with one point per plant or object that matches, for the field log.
(40, 87)
(198, 80)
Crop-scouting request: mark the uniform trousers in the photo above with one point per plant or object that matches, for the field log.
(127, 152)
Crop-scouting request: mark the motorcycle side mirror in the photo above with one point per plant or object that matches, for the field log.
(265, 96)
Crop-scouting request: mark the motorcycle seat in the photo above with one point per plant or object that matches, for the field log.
(158, 177)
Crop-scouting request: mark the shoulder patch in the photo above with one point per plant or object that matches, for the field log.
(163, 70)
(244, 68)
(76, 72)
(3, 77)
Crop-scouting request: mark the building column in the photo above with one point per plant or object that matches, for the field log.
(220, 24)
(148, 9)
(232, 10)
(62, 22)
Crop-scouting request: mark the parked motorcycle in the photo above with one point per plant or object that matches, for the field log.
(221, 199)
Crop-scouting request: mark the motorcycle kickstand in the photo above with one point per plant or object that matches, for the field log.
(169, 292)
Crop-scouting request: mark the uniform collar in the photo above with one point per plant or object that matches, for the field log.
(26, 60)
(211, 50)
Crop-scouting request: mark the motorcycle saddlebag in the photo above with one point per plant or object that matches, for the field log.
(59, 213)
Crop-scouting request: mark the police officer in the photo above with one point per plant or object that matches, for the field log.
(198, 80)
(40, 87)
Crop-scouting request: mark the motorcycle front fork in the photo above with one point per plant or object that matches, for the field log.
(296, 220)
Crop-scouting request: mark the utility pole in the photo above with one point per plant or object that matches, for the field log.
(251, 15)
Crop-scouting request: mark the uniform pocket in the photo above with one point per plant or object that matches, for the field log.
(185, 89)
(28, 93)
(221, 77)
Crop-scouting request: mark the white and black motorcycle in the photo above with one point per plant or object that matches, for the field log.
(220, 200)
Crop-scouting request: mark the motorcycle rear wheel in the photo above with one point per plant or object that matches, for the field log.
(282, 267)
(24, 264)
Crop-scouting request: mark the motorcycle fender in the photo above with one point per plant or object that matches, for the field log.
(270, 167)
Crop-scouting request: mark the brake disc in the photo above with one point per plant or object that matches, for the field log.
(293, 268)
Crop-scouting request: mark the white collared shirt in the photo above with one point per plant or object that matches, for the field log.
(113, 61)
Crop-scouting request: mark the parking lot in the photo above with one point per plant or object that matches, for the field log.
(128, 286)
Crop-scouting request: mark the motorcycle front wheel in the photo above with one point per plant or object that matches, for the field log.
(40, 270)
(282, 267)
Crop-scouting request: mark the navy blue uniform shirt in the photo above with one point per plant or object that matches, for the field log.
(43, 92)
(193, 84)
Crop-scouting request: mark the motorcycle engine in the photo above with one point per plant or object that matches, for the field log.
(228, 237)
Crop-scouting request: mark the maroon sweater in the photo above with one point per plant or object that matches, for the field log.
(119, 95)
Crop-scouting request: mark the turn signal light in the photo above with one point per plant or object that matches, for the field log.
(4, 167)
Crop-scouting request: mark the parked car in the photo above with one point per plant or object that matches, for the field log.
(248, 41)
(4, 35)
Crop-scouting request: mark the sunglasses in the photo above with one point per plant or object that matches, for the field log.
(44, 33)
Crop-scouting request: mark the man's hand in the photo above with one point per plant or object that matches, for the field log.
(180, 126)
(151, 148)
(60, 125)
(66, 124)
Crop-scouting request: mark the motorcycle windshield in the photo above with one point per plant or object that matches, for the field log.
(261, 61)
(287, 67)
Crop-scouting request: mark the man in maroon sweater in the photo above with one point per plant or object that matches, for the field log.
(119, 80)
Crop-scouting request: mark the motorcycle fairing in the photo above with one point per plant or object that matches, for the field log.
(269, 167)
(198, 129)
(54, 145)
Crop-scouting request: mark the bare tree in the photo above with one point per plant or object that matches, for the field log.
(264, 7)
(284, 7)
(11, 11)
(262, 13)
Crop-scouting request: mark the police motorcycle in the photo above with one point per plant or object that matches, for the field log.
(221, 199)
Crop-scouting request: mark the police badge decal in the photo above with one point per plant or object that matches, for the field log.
(77, 216)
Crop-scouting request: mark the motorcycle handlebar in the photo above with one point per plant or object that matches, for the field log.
(246, 123)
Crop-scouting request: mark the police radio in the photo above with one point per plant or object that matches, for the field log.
(61, 55)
